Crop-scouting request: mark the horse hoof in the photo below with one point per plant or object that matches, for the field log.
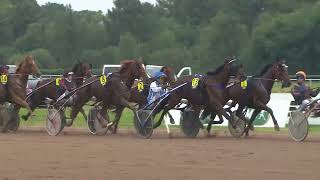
(251, 127)
(246, 134)
(277, 128)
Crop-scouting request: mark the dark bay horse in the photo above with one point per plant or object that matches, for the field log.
(139, 95)
(204, 90)
(115, 91)
(15, 89)
(257, 93)
(49, 88)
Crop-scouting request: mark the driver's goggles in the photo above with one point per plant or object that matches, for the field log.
(300, 77)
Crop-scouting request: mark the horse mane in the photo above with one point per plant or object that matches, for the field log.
(216, 71)
(21, 62)
(75, 67)
(265, 69)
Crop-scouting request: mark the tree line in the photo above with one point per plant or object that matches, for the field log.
(196, 33)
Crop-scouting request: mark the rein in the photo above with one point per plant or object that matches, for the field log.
(35, 90)
(30, 94)
(267, 79)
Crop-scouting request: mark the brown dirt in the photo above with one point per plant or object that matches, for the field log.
(31, 154)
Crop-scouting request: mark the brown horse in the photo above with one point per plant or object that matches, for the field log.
(115, 91)
(140, 95)
(204, 90)
(49, 88)
(257, 93)
(17, 83)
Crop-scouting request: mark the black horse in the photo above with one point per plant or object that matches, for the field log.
(256, 94)
(208, 90)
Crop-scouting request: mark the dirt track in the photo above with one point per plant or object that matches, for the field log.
(31, 154)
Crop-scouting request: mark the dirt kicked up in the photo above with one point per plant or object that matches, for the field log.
(31, 154)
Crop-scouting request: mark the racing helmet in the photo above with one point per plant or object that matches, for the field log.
(301, 73)
(159, 75)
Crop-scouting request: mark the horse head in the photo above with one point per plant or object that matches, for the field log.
(28, 66)
(170, 73)
(133, 69)
(82, 69)
(280, 72)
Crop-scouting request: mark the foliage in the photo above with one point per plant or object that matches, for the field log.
(178, 33)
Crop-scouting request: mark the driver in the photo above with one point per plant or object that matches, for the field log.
(157, 87)
(67, 84)
(301, 92)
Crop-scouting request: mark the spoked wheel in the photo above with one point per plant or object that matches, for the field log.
(237, 126)
(93, 122)
(55, 121)
(298, 126)
(14, 118)
(189, 124)
(143, 123)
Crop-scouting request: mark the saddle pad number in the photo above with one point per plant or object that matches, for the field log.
(195, 83)
(140, 86)
(103, 80)
(244, 84)
(58, 80)
(4, 79)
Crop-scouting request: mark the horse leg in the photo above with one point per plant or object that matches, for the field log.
(32, 104)
(218, 109)
(117, 117)
(240, 114)
(205, 113)
(210, 123)
(104, 117)
(83, 114)
(132, 106)
(158, 123)
(171, 118)
(21, 102)
(269, 110)
(164, 112)
(253, 117)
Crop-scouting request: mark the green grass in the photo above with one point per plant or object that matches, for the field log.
(126, 121)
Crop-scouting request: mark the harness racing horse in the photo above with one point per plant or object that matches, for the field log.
(140, 92)
(15, 89)
(257, 93)
(50, 88)
(206, 90)
(113, 90)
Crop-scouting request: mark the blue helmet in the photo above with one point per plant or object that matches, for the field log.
(159, 74)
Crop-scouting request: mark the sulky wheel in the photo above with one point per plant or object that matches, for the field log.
(93, 122)
(237, 126)
(143, 123)
(188, 124)
(55, 121)
(298, 126)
